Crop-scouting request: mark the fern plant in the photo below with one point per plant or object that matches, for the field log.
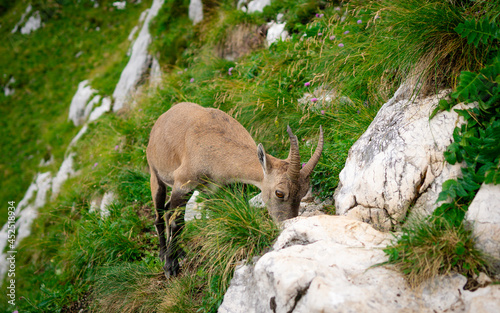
(476, 142)
(477, 32)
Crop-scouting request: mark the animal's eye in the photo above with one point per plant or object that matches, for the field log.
(279, 194)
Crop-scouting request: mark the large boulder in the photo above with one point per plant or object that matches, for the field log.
(327, 264)
(484, 213)
(398, 162)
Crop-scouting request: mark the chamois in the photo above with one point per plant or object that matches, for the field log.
(191, 145)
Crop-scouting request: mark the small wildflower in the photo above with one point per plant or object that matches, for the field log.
(321, 15)
(95, 165)
(314, 99)
(140, 110)
(341, 45)
(317, 14)
(307, 84)
(320, 34)
(180, 72)
(358, 112)
(116, 147)
(337, 9)
(303, 139)
(360, 21)
(346, 32)
(322, 112)
(185, 70)
(303, 164)
(192, 80)
(332, 37)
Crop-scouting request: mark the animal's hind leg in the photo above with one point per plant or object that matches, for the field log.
(159, 193)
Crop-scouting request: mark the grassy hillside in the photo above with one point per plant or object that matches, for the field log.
(77, 42)
(361, 50)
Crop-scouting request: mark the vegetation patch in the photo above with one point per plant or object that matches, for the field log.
(356, 53)
(444, 241)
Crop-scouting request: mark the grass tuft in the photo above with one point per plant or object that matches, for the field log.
(230, 231)
(430, 247)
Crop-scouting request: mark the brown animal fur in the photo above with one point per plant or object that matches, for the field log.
(190, 145)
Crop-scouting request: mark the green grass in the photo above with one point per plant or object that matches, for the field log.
(47, 72)
(113, 262)
(428, 248)
(229, 232)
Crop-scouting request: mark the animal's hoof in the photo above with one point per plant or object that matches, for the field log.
(171, 268)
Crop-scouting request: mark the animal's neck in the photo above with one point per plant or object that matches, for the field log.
(247, 170)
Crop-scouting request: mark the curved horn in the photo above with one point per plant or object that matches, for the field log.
(294, 156)
(308, 168)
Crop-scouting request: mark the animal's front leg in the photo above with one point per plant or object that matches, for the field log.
(175, 224)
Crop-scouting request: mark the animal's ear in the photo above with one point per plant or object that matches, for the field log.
(261, 153)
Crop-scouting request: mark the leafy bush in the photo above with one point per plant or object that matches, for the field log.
(475, 142)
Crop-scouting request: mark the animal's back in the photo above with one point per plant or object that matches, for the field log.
(202, 140)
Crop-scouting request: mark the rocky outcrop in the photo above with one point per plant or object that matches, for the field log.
(101, 204)
(484, 214)
(26, 212)
(80, 107)
(327, 264)
(276, 30)
(195, 11)
(241, 40)
(8, 90)
(253, 6)
(139, 63)
(398, 162)
(33, 23)
(81, 112)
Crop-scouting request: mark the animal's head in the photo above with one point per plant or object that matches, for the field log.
(286, 182)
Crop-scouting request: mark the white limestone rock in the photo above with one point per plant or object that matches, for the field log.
(398, 161)
(134, 30)
(120, 5)
(307, 208)
(193, 207)
(78, 110)
(33, 23)
(108, 199)
(275, 32)
(257, 201)
(8, 90)
(23, 17)
(26, 212)
(195, 11)
(138, 63)
(484, 214)
(100, 110)
(155, 74)
(325, 264)
(324, 98)
(65, 171)
(253, 6)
